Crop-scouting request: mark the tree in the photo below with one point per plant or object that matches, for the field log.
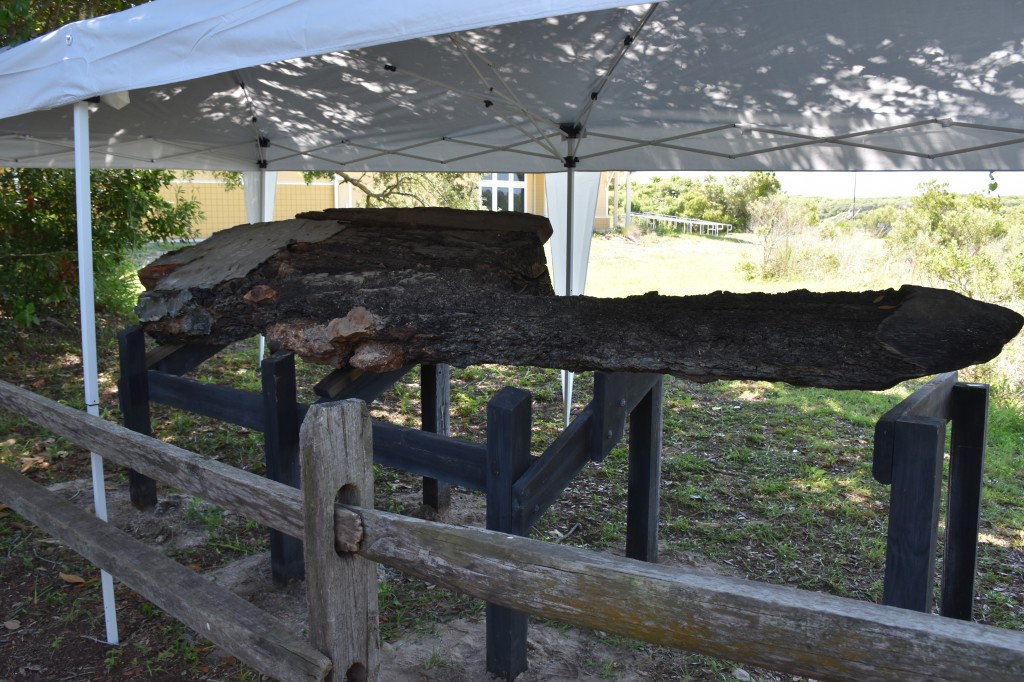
(38, 235)
(405, 190)
(743, 190)
(707, 199)
(22, 20)
(958, 241)
(38, 256)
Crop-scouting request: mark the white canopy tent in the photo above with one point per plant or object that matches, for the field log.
(745, 85)
(549, 86)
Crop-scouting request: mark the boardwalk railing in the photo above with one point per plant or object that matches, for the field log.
(653, 220)
(786, 629)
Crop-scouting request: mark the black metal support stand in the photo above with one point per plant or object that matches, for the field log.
(914, 513)
(435, 402)
(963, 510)
(909, 443)
(509, 416)
(519, 487)
(644, 477)
(133, 396)
(281, 454)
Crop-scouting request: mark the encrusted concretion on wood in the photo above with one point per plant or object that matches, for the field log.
(378, 289)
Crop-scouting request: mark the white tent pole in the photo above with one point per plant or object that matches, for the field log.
(570, 191)
(629, 199)
(87, 308)
(262, 218)
(615, 201)
(260, 193)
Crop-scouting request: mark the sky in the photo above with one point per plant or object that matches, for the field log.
(845, 185)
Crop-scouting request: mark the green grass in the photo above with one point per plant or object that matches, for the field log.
(679, 266)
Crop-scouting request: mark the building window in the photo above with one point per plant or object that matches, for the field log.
(503, 192)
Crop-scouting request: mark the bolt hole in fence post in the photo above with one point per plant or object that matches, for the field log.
(341, 587)
(348, 494)
(356, 673)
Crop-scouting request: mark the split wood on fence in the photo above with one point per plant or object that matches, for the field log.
(776, 627)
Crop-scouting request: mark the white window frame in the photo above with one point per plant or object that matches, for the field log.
(495, 182)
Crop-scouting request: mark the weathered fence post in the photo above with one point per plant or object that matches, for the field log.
(337, 466)
(508, 455)
(435, 401)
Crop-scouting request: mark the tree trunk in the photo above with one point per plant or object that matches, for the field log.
(381, 288)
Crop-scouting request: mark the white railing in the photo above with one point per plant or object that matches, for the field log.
(652, 220)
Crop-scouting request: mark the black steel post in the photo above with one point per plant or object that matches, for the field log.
(133, 396)
(435, 402)
(508, 457)
(281, 453)
(644, 477)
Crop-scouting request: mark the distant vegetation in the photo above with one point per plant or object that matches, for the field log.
(707, 199)
(969, 243)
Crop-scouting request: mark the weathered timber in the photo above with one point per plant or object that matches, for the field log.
(341, 588)
(380, 288)
(243, 630)
(270, 503)
(796, 631)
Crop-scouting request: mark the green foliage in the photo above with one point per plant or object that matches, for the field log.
(38, 243)
(960, 242)
(708, 199)
(38, 252)
(778, 220)
(22, 20)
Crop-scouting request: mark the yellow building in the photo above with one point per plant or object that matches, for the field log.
(223, 207)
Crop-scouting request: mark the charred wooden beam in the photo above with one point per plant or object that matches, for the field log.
(377, 289)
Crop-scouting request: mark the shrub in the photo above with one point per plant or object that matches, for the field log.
(38, 242)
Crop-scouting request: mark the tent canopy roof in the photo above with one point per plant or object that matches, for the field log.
(454, 85)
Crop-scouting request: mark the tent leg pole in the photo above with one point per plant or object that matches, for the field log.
(87, 308)
(570, 191)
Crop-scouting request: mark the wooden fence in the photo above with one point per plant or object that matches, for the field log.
(782, 628)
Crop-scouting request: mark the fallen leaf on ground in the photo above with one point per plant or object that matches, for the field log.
(12, 624)
(72, 578)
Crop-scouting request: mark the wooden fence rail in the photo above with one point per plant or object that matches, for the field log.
(796, 631)
(245, 631)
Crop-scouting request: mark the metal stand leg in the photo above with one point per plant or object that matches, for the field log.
(133, 394)
(914, 513)
(508, 457)
(435, 381)
(963, 511)
(281, 452)
(644, 477)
